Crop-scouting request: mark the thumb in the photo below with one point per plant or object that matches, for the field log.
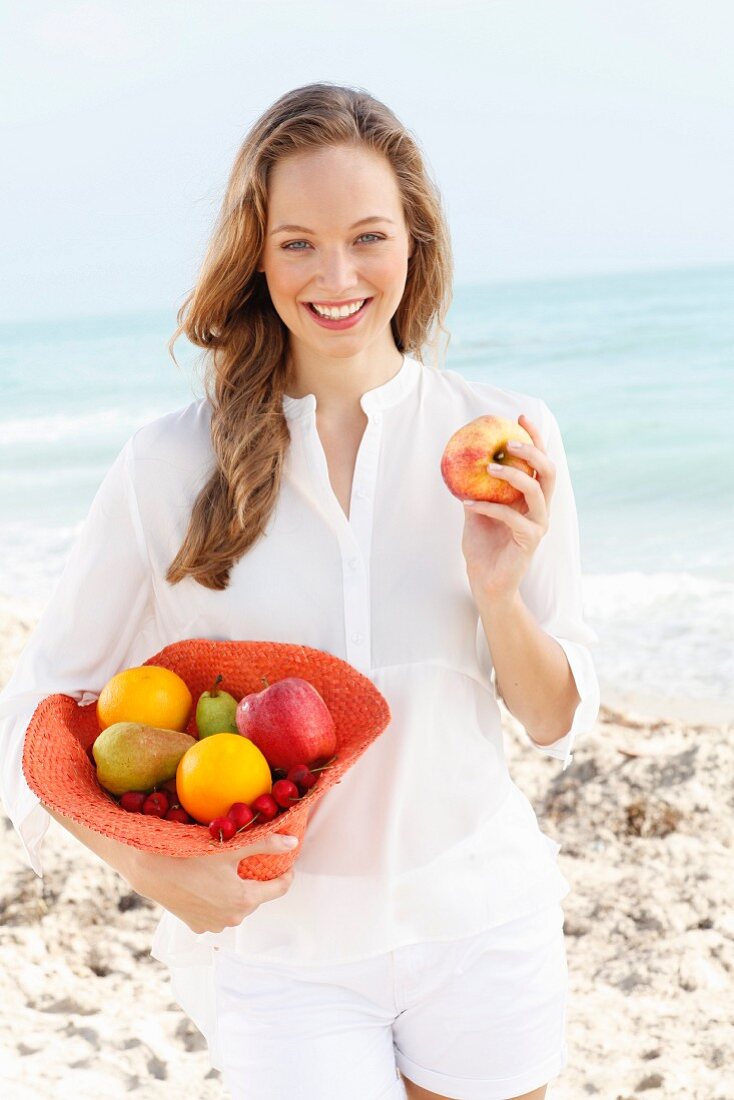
(271, 844)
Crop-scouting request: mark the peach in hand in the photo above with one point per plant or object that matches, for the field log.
(469, 452)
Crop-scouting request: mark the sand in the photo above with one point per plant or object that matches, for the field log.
(644, 817)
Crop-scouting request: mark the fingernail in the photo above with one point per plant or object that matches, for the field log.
(470, 503)
(290, 841)
(515, 446)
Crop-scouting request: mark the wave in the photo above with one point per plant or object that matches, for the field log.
(59, 427)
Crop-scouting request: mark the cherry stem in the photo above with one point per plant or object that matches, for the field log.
(249, 822)
(265, 681)
(326, 765)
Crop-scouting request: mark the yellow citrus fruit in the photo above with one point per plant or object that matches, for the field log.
(149, 694)
(219, 770)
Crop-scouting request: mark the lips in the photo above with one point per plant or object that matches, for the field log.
(340, 322)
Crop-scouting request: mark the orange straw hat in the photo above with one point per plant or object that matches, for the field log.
(58, 769)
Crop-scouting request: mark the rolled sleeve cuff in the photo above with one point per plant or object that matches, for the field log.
(31, 822)
(22, 806)
(587, 710)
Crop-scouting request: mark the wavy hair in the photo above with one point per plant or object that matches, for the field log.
(229, 312)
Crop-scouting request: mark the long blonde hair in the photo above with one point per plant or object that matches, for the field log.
(230, 314)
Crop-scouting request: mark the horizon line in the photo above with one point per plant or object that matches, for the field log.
(472, 284)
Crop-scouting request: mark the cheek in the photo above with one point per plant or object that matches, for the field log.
(283, 279)
(389, 268)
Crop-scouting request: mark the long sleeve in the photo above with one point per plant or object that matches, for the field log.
(97, 608)
(552, 590)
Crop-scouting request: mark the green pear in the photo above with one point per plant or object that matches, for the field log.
(215, 711)
(131, 756)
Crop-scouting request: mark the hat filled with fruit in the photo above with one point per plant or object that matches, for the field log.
(206, 741)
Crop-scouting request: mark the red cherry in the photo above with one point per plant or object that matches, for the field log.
(222, 828)
(133, 801)
(170, 787)
(241, 814)
(156, 804)
(178, 813)
(285, 793)
(302, 776)
(266, 806)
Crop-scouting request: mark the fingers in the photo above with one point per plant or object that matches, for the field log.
(537, 490)
(529, 451)
(534, 456)
(255, 894)
(257, 891)
(276, 887)
(523, 525)
(530, 488)
(532, 430)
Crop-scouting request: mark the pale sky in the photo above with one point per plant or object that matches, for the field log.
(566, 137)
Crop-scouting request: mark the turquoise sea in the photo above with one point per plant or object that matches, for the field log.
(638, 369)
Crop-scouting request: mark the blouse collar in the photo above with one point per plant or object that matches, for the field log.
(381, 397)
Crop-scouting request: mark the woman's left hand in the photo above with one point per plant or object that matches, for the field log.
(500, 539)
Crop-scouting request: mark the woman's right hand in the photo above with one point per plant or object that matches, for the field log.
(205, 892)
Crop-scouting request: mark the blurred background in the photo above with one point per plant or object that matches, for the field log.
(585, 157)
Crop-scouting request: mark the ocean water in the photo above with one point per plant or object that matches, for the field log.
(638, 369)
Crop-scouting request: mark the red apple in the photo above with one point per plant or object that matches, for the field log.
(288, 721)
(469, 452)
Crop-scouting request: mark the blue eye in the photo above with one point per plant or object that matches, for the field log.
(290, 243)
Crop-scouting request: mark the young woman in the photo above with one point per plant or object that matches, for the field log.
(417, 946)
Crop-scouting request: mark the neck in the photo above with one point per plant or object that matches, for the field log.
(339, 383)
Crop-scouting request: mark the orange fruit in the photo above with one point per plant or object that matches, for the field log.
(219, 770)
(149, 694)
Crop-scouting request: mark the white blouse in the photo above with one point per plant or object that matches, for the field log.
(426, 837)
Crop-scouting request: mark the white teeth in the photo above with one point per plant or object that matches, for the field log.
(336, 312)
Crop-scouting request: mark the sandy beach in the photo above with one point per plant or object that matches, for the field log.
(645, 818)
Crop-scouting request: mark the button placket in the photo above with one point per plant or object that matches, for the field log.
(356, 549)
(354, 534)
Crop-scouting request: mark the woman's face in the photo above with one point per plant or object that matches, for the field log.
(330, 259)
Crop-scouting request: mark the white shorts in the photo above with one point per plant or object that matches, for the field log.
(480, 1018)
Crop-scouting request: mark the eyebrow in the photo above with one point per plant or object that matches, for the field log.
(302, 229)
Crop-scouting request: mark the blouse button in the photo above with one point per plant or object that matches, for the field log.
(361, 493)
(353, 563)
(358, 638)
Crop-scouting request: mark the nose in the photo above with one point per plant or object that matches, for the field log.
(336, 274)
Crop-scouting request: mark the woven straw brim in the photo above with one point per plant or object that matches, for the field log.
(58, 769)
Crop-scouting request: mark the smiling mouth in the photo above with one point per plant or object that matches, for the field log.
(341, 317)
